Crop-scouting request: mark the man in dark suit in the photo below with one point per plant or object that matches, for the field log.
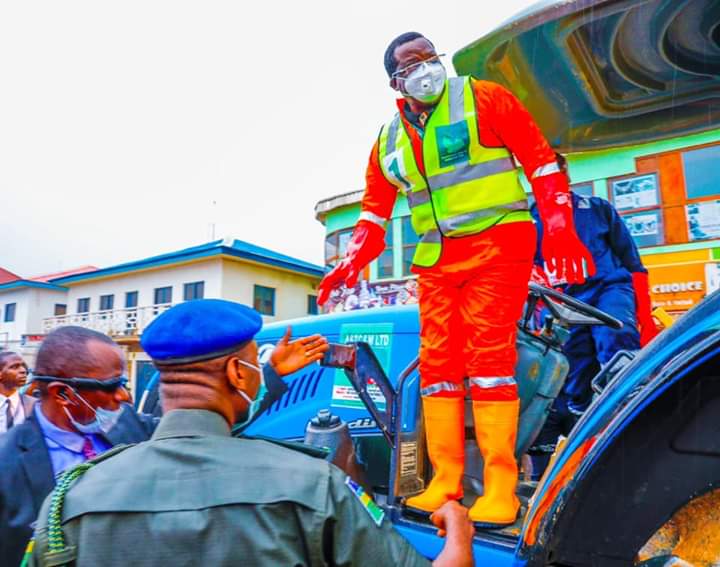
(83, 410)
(14, 406)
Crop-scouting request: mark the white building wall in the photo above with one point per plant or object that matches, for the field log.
(32, 306)
(291, 289)
(145, 283)
(41, 305)
(13, 331)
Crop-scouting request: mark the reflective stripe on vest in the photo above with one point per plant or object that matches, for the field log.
(453, 224)
(466, 188)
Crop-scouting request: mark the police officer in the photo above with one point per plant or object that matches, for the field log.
(194, 495)
(620, 288)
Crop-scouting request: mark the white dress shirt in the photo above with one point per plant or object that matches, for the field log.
(16, 408)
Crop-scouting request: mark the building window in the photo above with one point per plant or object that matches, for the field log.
(193, 290)
(336, 245)
(637, 199)
(385, 261)
(131, 299)
(163, 295)
(60, 309)
(83, 305)
(312, 306)
(409, 242)
(703, 219)
(10, 312)
(264, 299)
(107, 302)
(702, 174)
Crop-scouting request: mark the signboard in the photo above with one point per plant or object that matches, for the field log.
(712, 277)
(678, 287)
(642, 224)
(379, 336)
(28, 339)
(635, 193)
(703, 220)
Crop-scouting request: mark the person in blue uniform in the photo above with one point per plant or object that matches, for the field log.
(619, 288)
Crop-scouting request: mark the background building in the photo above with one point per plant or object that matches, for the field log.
(123, 300)
(25, 303)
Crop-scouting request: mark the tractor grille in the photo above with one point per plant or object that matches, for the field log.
(302, 388)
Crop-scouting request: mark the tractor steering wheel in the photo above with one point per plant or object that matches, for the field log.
(550, 295)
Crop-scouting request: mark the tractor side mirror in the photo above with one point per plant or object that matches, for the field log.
(367, 377)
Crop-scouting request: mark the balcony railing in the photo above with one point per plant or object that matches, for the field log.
(113, 322)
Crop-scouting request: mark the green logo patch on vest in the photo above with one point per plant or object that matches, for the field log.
(376, 513)
(453, 143)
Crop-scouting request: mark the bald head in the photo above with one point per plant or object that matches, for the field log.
(66, 352)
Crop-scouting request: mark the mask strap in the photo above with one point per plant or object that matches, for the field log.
(256, 369)
(250, 365)
(244, 396)
(83, 400)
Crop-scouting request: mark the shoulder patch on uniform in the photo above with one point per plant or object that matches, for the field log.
(376, 513)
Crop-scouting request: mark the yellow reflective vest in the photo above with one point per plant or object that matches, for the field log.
(467, 187)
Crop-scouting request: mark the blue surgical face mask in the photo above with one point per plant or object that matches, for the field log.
(104, 421)
(253, 405)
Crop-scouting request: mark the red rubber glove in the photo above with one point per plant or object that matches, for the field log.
(643, 308)
(562, 250)
(366, 244)
(538, 276)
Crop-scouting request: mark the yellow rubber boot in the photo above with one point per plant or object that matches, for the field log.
(445, 433)
(496, 432)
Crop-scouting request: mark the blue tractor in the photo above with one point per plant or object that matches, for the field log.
(648, 448)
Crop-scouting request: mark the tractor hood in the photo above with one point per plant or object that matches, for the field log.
(603, 73)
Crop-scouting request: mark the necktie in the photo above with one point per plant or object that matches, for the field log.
(87, 449)
(9, 418)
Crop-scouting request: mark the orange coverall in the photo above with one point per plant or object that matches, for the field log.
(471, 299)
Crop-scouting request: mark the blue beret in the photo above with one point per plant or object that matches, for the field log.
(200, 330)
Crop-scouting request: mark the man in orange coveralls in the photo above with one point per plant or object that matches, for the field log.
(448, 150)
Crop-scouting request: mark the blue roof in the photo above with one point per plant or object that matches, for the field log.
(29, 283)
(238, 249)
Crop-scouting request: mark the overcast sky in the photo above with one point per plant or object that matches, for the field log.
(122, 122)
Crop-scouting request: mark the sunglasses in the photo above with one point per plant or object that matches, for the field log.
(109, 385)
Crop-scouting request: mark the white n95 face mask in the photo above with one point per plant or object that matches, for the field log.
(426, 83)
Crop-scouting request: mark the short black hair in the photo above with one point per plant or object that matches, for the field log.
(64, 352)
(402, 39)
(4, 355)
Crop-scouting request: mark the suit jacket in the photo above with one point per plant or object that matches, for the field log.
(26, 476)
(28, 403)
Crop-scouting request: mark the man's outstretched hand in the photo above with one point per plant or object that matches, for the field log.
(289, 357)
